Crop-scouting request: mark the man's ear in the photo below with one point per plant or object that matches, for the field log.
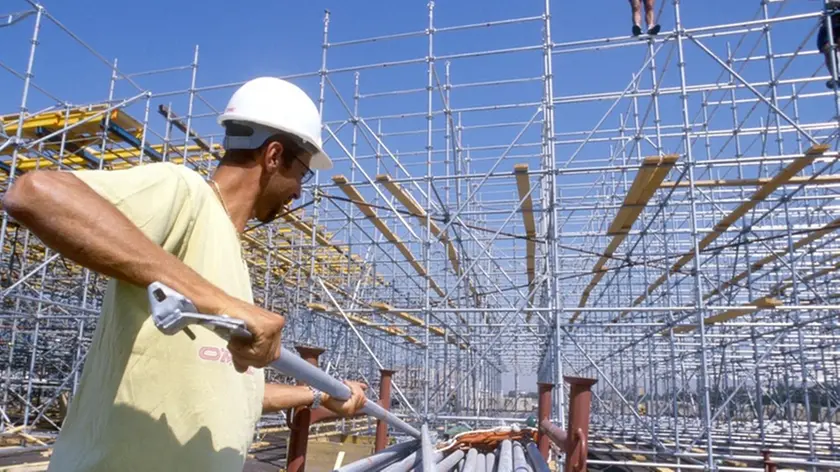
(273, 157)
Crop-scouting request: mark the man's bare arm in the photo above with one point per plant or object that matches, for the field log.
(75, 221)
(72, 219)
(279, 397)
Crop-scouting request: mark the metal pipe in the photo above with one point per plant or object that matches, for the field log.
(543, 413)
(549, 430)
(469, 463)
(413, 461)
(427, 449)
(490, 462)
(480, 463)
(385, 403)
(536, 457)
(450, 461)
(520, 463)
(382, 458)
(506, 456)
(294, 366)
(299, 424)
(580, 399)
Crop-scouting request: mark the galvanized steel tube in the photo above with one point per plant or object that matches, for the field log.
(480, 463)
(489, 461)
(381, 458)
(506, 456)
(294, 366)
(469, 464)
(520, 463)
(537, 460)
(413, 462)
(427, 450)
(450, 461)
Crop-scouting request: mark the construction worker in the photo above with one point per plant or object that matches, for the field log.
(636, 10)
(823, 43)
(191, 401)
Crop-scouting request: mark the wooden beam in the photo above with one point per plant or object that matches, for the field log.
(415, 209)
(737, 183)
(755, 266)
(652, 172)
(411, 204)
(523, 186)
(757, 197)
(758, 304)
(357, 198)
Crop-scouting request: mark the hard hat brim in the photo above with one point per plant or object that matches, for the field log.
(320, 160)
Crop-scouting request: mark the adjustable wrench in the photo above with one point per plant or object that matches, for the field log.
(172, 312)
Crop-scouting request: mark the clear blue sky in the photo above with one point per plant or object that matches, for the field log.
(241, 40)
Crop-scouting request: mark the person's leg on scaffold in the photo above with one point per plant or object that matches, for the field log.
(653, 28)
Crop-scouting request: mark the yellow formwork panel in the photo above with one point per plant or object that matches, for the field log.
(90, 116)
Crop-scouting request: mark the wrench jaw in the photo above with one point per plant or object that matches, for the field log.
(172, 312)
(168, 308)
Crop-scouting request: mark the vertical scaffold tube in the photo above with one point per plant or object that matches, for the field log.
(427, 450)
(385, 400)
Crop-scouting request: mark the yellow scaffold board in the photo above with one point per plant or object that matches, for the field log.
(757, 265)
(652, 172)
(523, 186)
(371, 215)
(759, 196)
(762, 303)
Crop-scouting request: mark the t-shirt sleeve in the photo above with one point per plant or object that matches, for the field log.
(158, 198)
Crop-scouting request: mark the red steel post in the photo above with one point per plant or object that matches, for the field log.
(580, 400)
(543, 412)
(384, 402)
(299, 434)
(769, 465)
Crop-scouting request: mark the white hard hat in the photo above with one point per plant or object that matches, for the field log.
(267, 105)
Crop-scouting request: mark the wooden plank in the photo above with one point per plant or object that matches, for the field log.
(353, 194)
(652, 172)
(762, 303)
(417, 210)
(523, 185)
(736, 183)
(758, 196)
(825, 230)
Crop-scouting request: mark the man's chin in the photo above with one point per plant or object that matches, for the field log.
(270, 216)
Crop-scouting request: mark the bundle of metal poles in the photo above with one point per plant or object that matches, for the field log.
(513, 456)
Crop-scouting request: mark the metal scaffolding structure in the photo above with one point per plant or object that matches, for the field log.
(674, 236)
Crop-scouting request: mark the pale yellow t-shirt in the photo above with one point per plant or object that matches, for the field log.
(150, 402)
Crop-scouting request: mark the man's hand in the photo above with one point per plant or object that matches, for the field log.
(266, 328)
(350, 407)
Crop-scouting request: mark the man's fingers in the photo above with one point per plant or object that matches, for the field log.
(240, 367)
